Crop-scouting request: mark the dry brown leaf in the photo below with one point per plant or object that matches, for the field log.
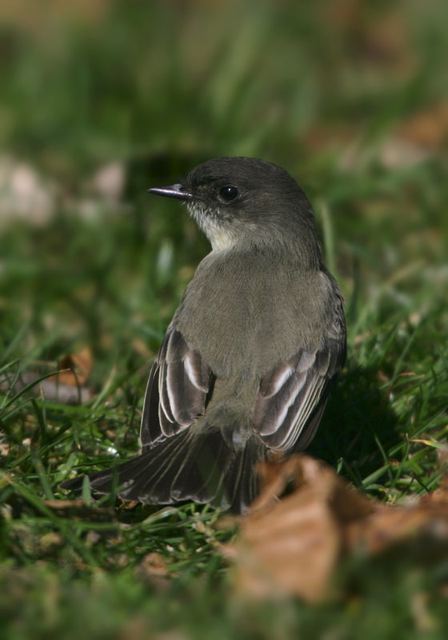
(78, 508)
(292, 545)
(383, 40)
(331, 138)
(428, 128)
(391, 525)
(50, 541)
(153, 569)
(75, 368)
(67, 386)
(153, 564)
(417, 138)
(24, 193)
(344, 143)
(4, 448)
(37, 17)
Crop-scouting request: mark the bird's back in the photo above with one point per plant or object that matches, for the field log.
(245, 312)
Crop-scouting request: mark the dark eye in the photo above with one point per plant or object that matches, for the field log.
(228, 193)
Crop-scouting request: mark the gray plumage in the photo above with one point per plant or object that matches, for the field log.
(247, 361)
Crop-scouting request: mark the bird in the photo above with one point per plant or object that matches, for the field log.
(247, 363)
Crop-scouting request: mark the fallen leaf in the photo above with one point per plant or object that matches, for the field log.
(428, 128)
(390, 525)
(79, 367)
(50, 541)
(50, 388)
(24, 194)
(79, 509)
(292, 544)
(109, 181)
(417, 138)
(4, 448)
(67, 385)
(24, 15)
(384, 41)
(153, 569)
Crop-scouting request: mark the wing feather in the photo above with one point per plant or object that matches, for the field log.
(291, 393)
(177, 391)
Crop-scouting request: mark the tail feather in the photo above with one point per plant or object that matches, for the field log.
(202, 467)
(246, 487)
(130, 475)
(150, 481)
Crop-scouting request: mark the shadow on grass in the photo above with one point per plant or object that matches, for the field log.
(358, 427)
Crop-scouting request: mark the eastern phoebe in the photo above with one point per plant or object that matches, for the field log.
(247, 362)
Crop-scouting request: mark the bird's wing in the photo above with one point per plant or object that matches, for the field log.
(177, 390)
(292, 396)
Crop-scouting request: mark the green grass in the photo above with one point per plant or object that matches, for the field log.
(159, 88)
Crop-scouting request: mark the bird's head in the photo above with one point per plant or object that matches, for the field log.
(243, 201)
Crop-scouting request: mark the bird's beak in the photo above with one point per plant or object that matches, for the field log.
(172, 191)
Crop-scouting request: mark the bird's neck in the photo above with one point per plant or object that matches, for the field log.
(277, 245)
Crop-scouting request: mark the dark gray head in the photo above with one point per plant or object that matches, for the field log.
(246, 201)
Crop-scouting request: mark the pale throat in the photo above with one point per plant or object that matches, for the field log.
(220, 235)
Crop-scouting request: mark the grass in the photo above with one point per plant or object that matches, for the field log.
(319, 93)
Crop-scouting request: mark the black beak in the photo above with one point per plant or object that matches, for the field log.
(173, 191)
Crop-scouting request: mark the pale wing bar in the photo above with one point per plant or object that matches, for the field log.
(177, 390)
(291, 393)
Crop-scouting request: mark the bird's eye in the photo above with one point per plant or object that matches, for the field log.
(228, 193)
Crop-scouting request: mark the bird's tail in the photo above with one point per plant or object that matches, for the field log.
(204, 467)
